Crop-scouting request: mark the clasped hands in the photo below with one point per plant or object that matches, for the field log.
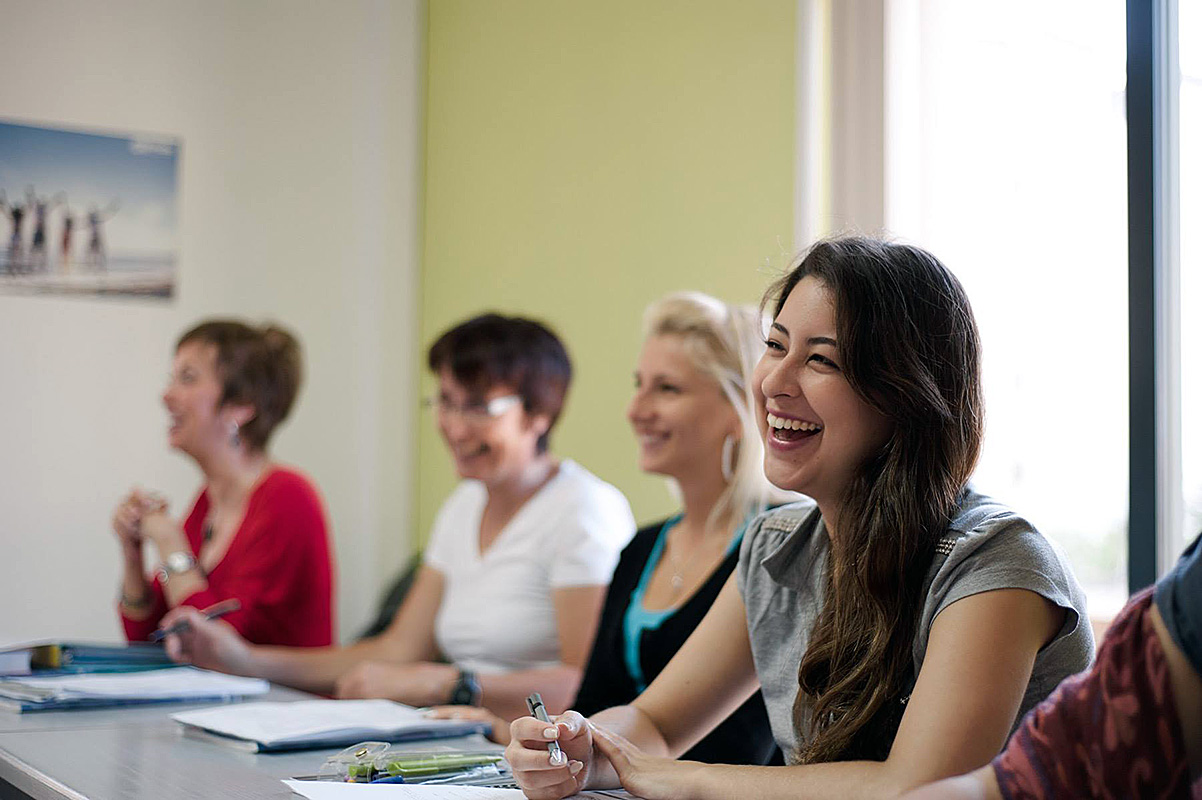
(142, 515)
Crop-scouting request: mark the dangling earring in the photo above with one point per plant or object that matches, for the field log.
(729, 455)
(235, 439)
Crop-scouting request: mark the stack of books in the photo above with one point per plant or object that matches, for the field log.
(46, 658)
(172, 685)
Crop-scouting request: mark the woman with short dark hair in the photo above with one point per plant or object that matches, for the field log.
(515, 572)
(692, 414)
(257, 531)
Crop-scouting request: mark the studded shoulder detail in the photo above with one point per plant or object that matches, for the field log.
(944, 546)
(785, 519)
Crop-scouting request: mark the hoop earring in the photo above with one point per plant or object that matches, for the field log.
(729, 456)
(235, 439)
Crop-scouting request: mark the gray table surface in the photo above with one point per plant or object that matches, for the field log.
(140, 753)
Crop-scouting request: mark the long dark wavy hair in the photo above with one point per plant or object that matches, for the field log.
(910, 348)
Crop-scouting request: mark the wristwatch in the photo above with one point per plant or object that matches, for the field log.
(466, 691)
(174, 564)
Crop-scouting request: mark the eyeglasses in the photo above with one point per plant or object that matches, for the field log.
(476, 412)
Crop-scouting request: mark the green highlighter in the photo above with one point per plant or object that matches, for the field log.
(368, 762)
(432, 764)
(418, 767)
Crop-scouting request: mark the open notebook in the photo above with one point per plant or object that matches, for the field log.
(310, 724)
(175, 684)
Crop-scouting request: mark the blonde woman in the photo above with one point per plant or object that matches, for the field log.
(691, 415)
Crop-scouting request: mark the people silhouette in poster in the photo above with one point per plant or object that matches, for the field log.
(41, 208)
(97, 259)
(14, 257)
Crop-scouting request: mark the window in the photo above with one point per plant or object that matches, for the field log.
(1006, 157)
(1190, 181)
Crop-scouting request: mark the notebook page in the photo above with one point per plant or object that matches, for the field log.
(277, 722)
(325, 790)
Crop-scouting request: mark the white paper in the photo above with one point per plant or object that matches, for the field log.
(332, 790)
(273, 723)
(174, 682)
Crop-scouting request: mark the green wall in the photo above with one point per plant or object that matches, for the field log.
(585, 158)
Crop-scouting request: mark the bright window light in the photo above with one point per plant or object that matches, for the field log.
(1006, 157)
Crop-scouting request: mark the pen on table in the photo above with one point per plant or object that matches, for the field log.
(537, 710)
(482, 774)
(212, 612)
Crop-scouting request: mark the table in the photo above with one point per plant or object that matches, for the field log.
(139, 753)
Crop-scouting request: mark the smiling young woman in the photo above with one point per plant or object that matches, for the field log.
(898, 623)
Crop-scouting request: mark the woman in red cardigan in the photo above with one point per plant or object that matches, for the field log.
(257, 532)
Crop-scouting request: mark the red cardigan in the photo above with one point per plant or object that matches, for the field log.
(278, 565)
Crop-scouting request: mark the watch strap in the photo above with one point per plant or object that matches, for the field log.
(175, 564)
(466, 691)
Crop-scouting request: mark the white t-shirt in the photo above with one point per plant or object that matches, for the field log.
(496, 613)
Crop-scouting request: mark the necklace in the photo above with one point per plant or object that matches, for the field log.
(679, 569)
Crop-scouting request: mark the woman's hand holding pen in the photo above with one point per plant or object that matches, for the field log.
(206, 643)
(532, 765)
(587, 746)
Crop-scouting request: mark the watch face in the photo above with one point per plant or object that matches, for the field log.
(180, 561)
(466, 690)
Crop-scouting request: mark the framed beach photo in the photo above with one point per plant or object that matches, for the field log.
(87, 213)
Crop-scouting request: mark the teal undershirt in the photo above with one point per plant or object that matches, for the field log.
(638, 619)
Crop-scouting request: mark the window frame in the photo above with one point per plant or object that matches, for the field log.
(1155, 519)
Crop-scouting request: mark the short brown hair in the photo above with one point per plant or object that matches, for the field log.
(258, 366)
(492, 349)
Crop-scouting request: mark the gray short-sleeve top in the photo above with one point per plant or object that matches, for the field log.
(781, 571)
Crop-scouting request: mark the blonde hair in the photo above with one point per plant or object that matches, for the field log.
(723, 341)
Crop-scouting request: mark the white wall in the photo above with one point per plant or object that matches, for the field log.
(300, 196)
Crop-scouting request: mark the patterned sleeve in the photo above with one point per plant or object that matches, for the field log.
(1179, 598)
(1111, 732)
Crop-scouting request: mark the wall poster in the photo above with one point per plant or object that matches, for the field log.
(87, 213)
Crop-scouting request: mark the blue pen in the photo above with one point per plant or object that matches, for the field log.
(212, 612)
(482, 774)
